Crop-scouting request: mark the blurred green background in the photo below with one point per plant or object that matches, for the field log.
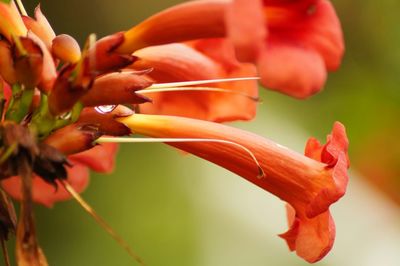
(178, 210)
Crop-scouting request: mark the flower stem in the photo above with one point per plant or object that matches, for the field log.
(101, 221)
(5, 252)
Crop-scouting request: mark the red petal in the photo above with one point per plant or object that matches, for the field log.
(304, 41)
(248, 35)
(292, 70)
(334, 154)
(40, 26)
(46, 194)
(311, 238)
(100, 158)
(178, 62)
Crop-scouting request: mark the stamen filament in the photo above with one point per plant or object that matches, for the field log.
(5, 252)
(21, 8)
(181, 89)
(198, 82)
(261, 172)
(101, 221)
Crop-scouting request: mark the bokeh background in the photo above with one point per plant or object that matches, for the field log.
(179, 210)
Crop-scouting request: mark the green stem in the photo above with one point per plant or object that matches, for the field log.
(20, 103)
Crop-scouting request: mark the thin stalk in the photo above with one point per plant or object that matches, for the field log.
(5, 252)
(101, 221)
(186, 89)
(198, 82)
(21, 8)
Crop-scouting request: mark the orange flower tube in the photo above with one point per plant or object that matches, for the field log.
(187, 21)
(310, 184)
(179, 62)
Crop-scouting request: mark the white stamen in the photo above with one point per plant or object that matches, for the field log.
(21, 8)
(180, 89)
(198, 82)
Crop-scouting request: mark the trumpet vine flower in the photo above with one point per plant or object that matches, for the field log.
(309, 183)
(173, 77)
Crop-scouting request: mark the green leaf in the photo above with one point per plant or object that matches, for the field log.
(6, 1)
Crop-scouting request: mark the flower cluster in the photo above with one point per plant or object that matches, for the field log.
(175, 77)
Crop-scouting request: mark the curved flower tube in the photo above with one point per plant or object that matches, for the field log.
(293, 43)
(310, 184)
(183, 22)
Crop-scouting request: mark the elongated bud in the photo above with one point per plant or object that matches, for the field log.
(106, 121)
(116, 88)
(66, 48)
(49, 72)
(11, 23)
(7, 70)
(73, 138)
(40, 26)
(184, 22)
(29, 66)
(104, 56)
(65, 94)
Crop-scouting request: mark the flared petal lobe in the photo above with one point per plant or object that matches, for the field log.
(181, 62)
(303, 40)
(100, 158)
(40, 26)
(308, 185)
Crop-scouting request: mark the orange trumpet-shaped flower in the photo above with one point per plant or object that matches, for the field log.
(310, 184)
(180, 62)
(187, 21)
(293, 43)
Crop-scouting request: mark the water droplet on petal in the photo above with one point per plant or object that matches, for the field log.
(66, 115)
(105, 109)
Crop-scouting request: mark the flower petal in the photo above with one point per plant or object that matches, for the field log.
(311, 238)
(295, 45)
(46, 194)
(291, 70)
(40, 26)
(237, 17)
(100, 158)
(179, 62)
